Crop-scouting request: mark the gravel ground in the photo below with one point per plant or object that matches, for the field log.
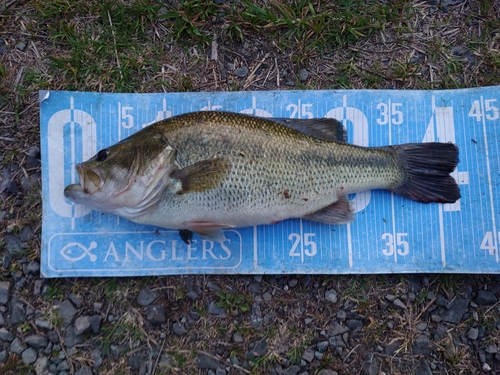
(291, 325)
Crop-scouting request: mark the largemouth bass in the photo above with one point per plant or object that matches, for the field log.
(206, 171)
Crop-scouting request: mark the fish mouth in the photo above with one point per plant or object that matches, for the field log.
(90, 179)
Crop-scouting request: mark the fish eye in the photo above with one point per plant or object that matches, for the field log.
(102, 155)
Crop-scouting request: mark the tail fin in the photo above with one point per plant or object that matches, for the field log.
(427, 168)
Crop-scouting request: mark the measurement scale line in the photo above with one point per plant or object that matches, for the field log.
(389, 123)
(490, 186)
(255, 253)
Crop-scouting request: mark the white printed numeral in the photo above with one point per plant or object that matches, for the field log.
(490, 109)
(300, 110)
(129, 119)
(401, 245)
(489, 243)
(310, 248)
(390, 111)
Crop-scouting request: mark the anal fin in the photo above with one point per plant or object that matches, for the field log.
(340, 212)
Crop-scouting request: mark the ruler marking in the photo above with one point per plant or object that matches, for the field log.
(490, 186)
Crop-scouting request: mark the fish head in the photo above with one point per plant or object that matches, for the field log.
(130, 175)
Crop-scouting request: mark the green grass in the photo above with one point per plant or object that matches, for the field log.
(233, 303)
(110, 50)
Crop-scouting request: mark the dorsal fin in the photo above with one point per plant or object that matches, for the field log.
(326, 129)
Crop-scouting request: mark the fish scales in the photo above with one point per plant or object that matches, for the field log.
(276, 172)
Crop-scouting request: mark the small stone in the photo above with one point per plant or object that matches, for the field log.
(134, 361)
(17, 346)
(12, 243)
(292, 283)
(63, 366)
(98, 307)
(4, 356)
(17, 314)
(257, 349)
(237, 337)
(85, 370)
(192, 295)
(399, 304)
(36, 341)
(42, 324)
(213, 286)
(435, 318)
(337, 329)
(370, 366)
(147, 296)
(322, 346)
(331, 295)
(96, 357)
(303, 75)
(308, 355)
(76, 300)
(82, 324)
(473, 334)
(292, 370)
(207, 362)
(27, 234)
(328, 372)
(456, 311)
(423, 368)
(485, 297)
(421, 345)
(290, 82)
(390, 297)
(353, 324)
(213, 309)
(486, 367)
(422, 326)
(254, 287)
(382, 304)
(3, 49)
(194, 315)
(67, 312)
(95, 323)
(6, 335)
(41, 365)
(441, 301)
(70, 339)
(155, 314)
(29, 356)
(21, 46)
(241, 72)
(256, 317)
(492, 349)
(37, 288)
(178, 329)
(4, 292)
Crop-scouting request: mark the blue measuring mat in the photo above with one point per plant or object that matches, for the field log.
(390, 233)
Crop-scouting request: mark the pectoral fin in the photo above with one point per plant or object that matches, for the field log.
(201, 176)
(211, 231)
(340, 212)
